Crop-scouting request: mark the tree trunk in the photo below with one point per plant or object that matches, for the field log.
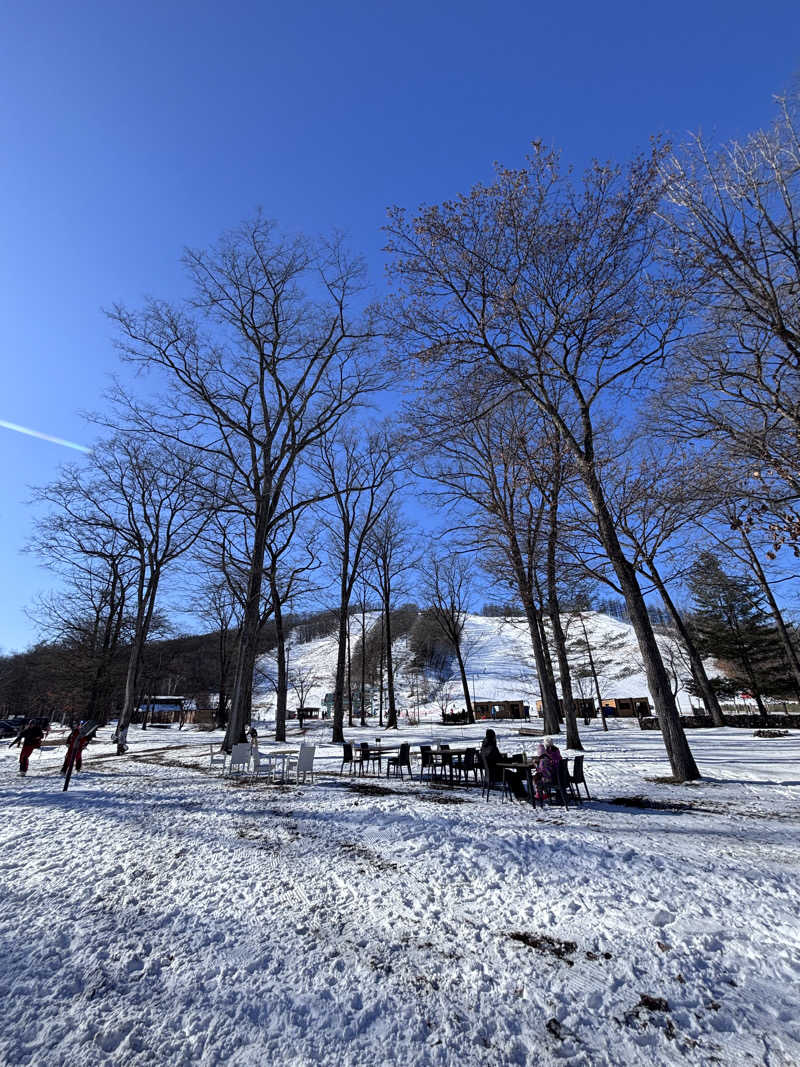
(380, 675)
(144, 617)
(680, 755)
(464, 683)
(559, 640)
(349, 676)
(570, 715)
(282, 687)
(363, 664)
(391, 718)
(338, 688)
(695, 660)
(546, 684)
(595, 679)
(248, 635)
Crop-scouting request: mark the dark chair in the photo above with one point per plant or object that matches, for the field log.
(558, 788)
(566, 784)
(363, 757)
(426, 760)
(488, 782)
(577, 779)
(446, 762)
(347, 756)
(402, 759)
(375, 758)
(469, 765)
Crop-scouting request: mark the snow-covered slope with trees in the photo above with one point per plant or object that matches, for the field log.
(499, 662)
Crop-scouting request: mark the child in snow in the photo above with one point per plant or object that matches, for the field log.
(553, 755)
(30, 737)
(542, 776)
(76, 743)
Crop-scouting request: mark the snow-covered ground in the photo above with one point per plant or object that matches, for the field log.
(157, 914)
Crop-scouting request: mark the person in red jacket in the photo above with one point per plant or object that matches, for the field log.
(30, 737)
(77, 743)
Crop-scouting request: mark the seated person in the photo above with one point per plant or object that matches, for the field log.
(494, 756)
(552, 754)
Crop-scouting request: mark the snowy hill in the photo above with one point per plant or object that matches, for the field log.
(499, 663)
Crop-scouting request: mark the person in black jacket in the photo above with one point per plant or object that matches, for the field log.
(493, 756)
(30, 737)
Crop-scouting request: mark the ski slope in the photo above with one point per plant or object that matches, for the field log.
(499, 663)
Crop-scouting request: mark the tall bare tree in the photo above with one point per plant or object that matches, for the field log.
(89, 614)
(390, 555)
(556, 286)
(357, 478)
(269, 353)
(735, 217)
(476, 449)
(447, 586)
(153, 500)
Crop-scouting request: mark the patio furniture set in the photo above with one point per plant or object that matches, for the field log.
(274, 765)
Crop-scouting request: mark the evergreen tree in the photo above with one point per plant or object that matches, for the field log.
(731, 624)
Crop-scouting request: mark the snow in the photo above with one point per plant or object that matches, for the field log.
(155, 913)
(498, 659)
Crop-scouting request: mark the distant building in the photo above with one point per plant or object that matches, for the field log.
(500, 709)
(627, 707)
(164, 710)
(584, 707)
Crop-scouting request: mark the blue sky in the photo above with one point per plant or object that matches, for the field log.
(129, 131)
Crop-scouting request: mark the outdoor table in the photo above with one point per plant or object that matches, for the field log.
(274, 757)
(528, 766)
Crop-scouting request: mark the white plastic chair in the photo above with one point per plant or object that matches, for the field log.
(303, 764)
(239, 760)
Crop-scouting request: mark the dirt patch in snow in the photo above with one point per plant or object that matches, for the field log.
(655, 805)
(549, 946)
(368, 789)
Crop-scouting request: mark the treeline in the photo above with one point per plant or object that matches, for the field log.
(55, 678)
(602, 389)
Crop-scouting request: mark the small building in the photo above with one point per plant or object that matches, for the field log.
(585, 708)
(329, 699)
(500, 709)
(161, 710)
(627, 707)
(305, 712)
(164, 710)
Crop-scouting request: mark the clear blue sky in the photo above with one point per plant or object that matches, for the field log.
(129, 131)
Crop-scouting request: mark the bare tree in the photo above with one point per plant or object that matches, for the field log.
(735, 218)
(390, 554)
(263, 361)
(447, 586)
(302, 679)
(556, 287)
(88, 615)
(358, 481)
(153, 501)
(477, 451)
